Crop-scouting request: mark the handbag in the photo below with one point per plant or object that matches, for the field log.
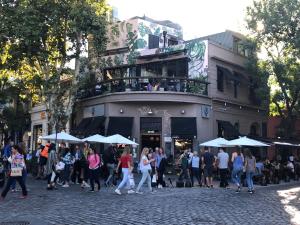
(60, 166)
(154, 179)
(16, 172)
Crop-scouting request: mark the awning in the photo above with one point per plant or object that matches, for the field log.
(120, 125)
(89, 126)
(228, 74)
(184, 127)
(229, 130)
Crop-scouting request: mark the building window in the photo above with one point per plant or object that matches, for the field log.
(235, 86)
(172, 42)
(220, 79)
(264, 129)
(153, 41)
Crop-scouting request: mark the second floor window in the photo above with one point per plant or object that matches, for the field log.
(172, 42)
(220, 79)
(153, 41)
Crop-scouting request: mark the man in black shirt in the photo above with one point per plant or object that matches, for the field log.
(208, 161)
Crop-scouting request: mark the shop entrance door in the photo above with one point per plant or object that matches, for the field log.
(151, 140)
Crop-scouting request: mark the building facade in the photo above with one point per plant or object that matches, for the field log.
(162, 91)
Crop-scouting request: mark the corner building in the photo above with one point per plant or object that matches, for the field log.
(161, 91)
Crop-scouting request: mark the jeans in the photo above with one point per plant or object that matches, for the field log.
(249, 178)
(146, 175)
(125, 180)
(76, 172)
(9, 183)
(196, 173)
(223, 177)
(94, 178)
(67, 172)
(236, 176)
(160, 177)
(111, 168)
(24, 175)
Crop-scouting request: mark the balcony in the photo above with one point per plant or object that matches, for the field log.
(145, 84)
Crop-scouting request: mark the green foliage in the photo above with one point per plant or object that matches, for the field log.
(39, 38)
(274, 25)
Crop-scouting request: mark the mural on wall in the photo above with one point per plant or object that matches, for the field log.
(198, 53)
(134, 35)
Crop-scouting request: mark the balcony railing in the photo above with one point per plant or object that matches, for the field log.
(146, 84)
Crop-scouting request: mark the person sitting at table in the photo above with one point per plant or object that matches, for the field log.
(156, 87)
(149, 87)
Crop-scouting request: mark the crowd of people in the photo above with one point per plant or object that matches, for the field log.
(241, 168)
(82, 165)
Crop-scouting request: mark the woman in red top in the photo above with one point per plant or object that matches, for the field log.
(125, 163)
(94, 167)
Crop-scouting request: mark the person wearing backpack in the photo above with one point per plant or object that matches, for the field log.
(237, 170)
(250, 165)
(94, 163)
(43, 156)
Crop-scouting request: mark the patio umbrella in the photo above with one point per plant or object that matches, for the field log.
(218, 142)
(118, 139)
(62, 136)
(97, 138)
(244, 141)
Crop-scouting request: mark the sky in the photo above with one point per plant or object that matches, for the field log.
(197, 17)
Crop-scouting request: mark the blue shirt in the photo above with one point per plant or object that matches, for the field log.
(7, 151)
(158, 159)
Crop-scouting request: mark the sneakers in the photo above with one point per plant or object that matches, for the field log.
(139, 192)
(160, 186)
(118, 191)
(238, 190)
(250, 191)
(131, 192)
(65, 186)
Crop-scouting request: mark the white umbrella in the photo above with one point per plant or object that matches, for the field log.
(62, 136)
(97, 138)
(218, 142)
(244, 141)
(118, 139)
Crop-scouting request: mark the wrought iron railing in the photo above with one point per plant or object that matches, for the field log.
(147, 84)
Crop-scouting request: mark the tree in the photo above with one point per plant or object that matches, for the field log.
(40, 38)
(274, 25)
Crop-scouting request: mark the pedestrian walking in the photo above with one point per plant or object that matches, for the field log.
(237, 170)
(222, 161)
(76, 175)
(17, 165)
(22, 151)
(50, 167)
(208, 161)
(195, 163)
(94, 162)
(68, 160)
(84, 166)
(250, 165)
(125, 164)
(145, 167)
(110, 160)
(43, 156)
(160, 163)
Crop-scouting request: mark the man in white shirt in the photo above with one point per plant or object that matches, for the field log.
(223, 159)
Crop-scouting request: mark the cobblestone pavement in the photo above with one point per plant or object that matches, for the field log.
(269, 205)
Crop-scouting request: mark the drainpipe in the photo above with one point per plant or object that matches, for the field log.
(165, 37)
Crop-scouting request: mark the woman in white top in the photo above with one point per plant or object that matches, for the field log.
(145, 167)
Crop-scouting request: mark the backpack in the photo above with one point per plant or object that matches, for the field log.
(44, 153)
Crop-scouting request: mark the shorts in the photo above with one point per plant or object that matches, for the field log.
(208, 171)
